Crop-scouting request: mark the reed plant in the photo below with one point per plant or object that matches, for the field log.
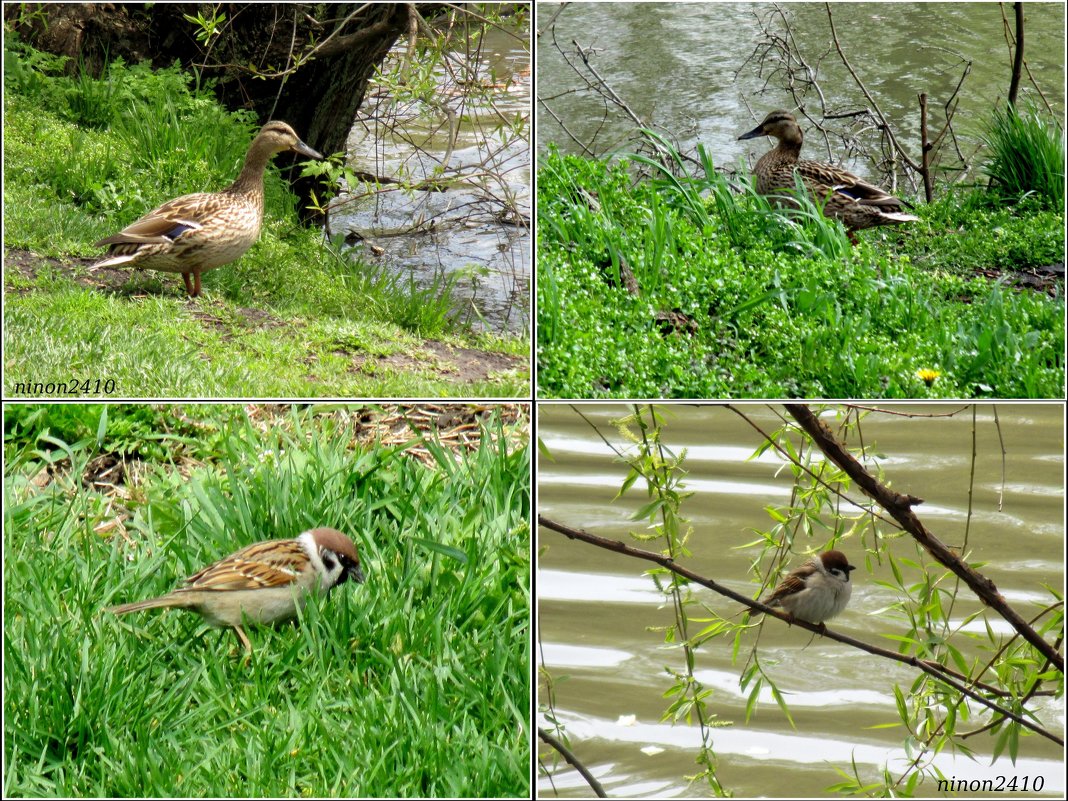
(1026, 155)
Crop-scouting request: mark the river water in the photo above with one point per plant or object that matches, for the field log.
(691, 69)
(479, 228)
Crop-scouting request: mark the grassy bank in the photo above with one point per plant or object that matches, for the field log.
(730, 299)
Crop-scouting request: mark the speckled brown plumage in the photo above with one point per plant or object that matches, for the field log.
(199, 232)
(855, 202)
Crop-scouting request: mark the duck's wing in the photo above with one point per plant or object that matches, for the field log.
(164, 224)
(825, 178)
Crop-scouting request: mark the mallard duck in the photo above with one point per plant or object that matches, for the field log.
(856, 203)
(194, 233)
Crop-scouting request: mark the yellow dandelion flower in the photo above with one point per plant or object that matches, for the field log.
(927, 376)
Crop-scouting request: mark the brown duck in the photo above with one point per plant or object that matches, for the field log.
(194, 233)
(855, 202)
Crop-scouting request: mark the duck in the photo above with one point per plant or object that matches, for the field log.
(857, 203)
(199, 232)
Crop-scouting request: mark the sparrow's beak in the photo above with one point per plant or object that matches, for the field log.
(356, 574)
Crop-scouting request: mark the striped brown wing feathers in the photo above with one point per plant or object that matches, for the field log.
(826, 177)
(162, 226)
(264, 564)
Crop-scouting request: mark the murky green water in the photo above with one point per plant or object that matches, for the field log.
(691, 69)
(478, 228)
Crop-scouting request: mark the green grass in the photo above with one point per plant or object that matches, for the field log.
(84, 158)
(156, 347)
(1026, 155)
(415, 683)
(781, 306)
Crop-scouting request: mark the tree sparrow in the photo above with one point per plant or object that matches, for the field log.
(264, 582)
(817, 590)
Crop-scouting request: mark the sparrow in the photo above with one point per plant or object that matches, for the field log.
(263, 583)
(815, 591)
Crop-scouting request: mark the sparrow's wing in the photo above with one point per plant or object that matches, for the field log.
(791, 585)
(274, 563)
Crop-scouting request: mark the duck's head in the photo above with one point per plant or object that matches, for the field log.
(277, 137)
(780, 124)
